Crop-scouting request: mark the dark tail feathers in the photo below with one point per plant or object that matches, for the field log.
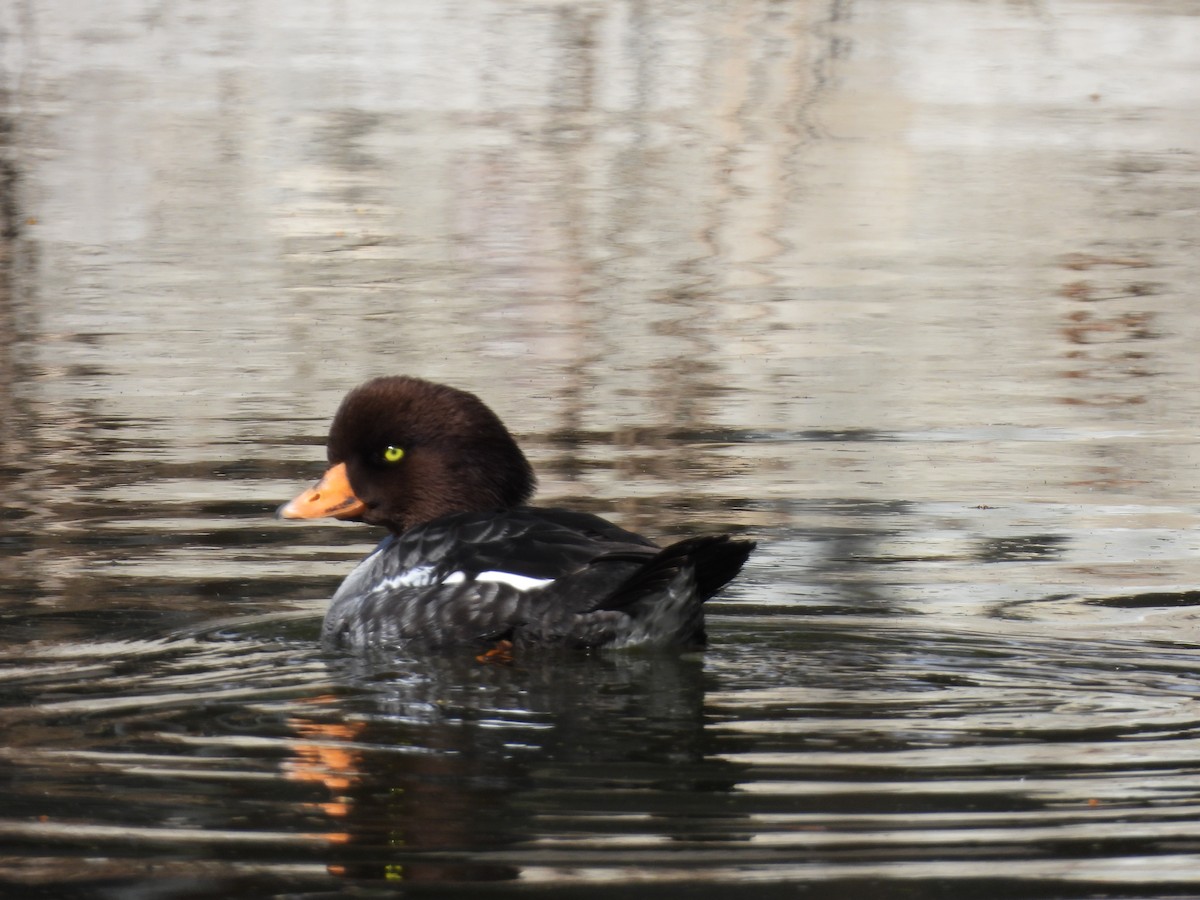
(716, 559)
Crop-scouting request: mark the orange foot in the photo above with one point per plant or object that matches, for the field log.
(501, 653)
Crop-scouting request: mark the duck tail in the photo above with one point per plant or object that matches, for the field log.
(713, 560)
(665, 597)
(718, 560)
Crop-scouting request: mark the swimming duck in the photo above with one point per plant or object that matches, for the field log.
(467, 562)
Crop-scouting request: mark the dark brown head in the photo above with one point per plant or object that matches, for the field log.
(403, 451)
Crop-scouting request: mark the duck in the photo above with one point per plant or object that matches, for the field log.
(467, 562)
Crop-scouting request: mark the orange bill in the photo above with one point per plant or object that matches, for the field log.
(331, 496)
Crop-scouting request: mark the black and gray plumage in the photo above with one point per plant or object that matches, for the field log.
(467, 563)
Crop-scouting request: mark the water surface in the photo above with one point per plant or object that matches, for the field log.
(904, 291)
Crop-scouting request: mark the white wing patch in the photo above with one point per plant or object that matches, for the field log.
(520, 582)
(418, 576)
(425, 576)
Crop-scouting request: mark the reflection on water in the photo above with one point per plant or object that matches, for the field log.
(479, 755)
(815, 755)
(901, 290)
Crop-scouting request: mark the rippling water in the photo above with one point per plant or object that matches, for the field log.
(901, 290)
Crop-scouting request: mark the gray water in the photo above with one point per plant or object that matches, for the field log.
(904, 290)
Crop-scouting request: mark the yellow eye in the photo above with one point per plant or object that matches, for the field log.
(393, 454)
